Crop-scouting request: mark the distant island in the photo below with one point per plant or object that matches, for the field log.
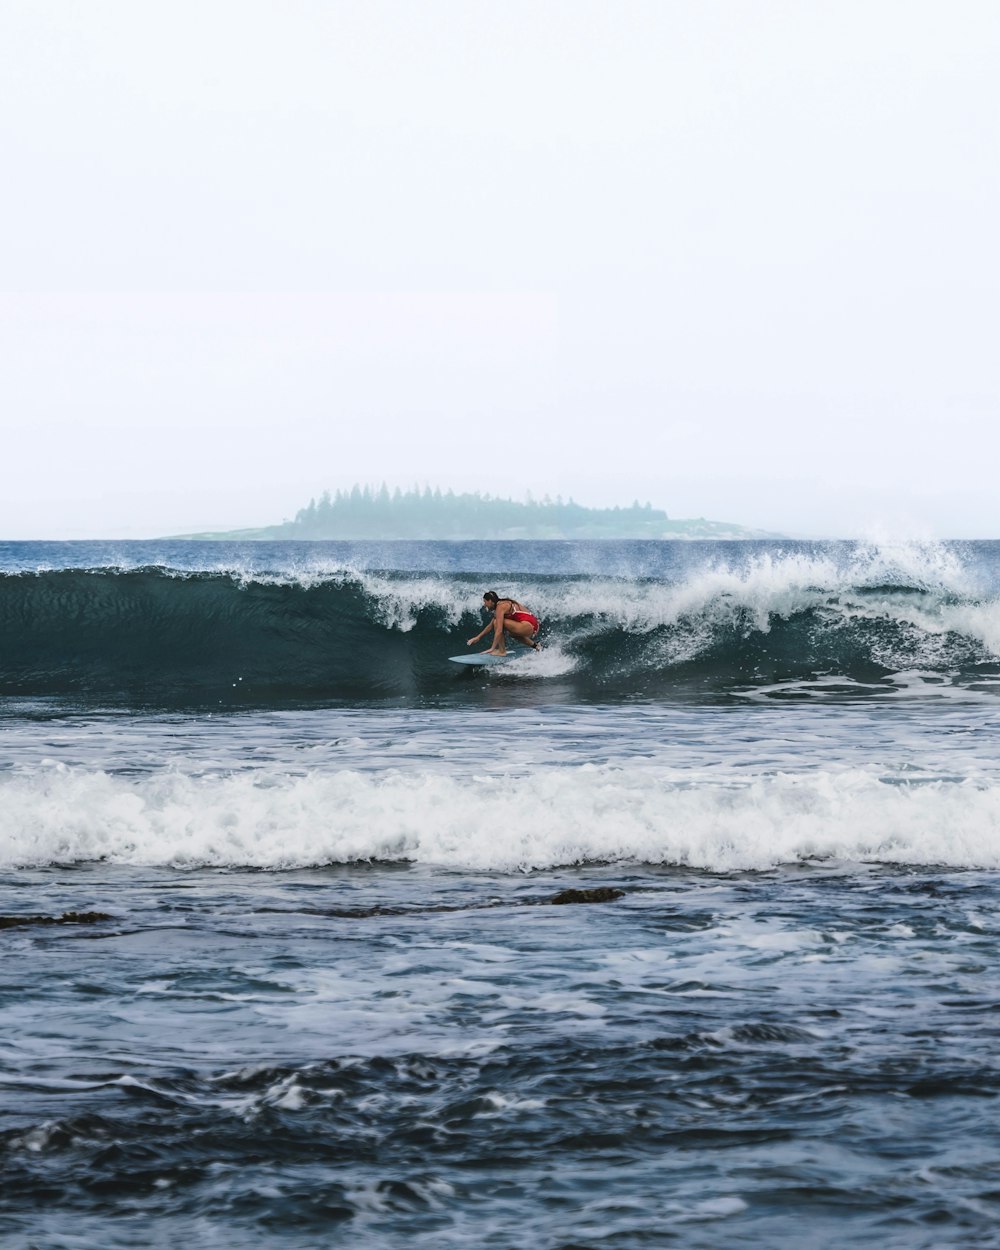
(367, 513)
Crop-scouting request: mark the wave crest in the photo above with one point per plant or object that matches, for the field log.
(162, 636)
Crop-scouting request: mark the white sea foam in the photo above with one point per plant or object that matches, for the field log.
(495, 822)
(748, 596)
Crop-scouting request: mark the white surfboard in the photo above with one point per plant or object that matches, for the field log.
(480, 659)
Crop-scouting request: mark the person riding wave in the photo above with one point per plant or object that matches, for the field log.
(509, 617)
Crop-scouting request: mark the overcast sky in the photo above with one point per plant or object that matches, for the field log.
(737, 258)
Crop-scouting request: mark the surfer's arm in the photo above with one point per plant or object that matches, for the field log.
(471, 641)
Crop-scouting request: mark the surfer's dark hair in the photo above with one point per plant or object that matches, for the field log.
(492, 596)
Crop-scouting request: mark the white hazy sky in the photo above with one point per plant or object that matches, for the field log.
(736, 257)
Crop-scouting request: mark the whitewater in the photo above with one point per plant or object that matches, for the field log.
(682, 931)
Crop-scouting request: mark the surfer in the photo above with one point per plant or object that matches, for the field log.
(509, 617)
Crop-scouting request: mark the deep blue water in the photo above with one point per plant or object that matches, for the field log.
(333, 1001)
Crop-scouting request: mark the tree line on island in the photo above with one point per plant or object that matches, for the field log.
(368, 513)
(363, 512)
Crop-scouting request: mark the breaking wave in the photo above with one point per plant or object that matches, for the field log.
(550, 817)
(164, 636)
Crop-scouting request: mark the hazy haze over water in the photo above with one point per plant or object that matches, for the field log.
(736, 259)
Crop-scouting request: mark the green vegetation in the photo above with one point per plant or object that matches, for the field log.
(366, 513)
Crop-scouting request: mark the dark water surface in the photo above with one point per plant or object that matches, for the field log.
(333, 1001)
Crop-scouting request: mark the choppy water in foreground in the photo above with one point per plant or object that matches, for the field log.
(333, 1001)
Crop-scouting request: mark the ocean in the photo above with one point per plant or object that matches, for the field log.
(681, 932)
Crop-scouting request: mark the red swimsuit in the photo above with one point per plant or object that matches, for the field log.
(525, 616)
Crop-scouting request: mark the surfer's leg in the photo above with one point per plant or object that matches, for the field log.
(522, 631)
